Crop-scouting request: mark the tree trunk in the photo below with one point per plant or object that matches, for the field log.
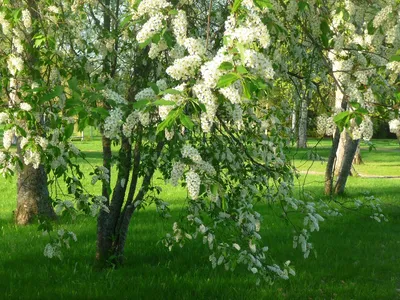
(344, 172)
(329, 171)
(302, 132)
(32, 195)
(357, 157)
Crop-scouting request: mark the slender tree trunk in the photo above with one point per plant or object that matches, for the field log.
(351, 148)
(329, 171)
(357, 157)
(302, 137)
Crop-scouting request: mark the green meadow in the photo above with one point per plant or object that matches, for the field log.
(355, 257)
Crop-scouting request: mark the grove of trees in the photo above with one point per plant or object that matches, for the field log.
(203, 92)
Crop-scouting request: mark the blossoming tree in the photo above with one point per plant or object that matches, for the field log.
(183, 88)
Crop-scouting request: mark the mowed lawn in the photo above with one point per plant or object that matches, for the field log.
(355, 257)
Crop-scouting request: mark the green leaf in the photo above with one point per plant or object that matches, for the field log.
(170, 91)
(169, 39)
(126, 20)
(173, 12)
(226, 66)
(145, 43)
(356, 105)
(58, 90)
(68, 131)
(362, 110)
(227, 80)
(73, 84)
(359, 120)
(370, 27)
(395, 58)
(263, 4)
(303, 5)
(340, 116)
(169, 121)
(163, 102)
(140, 104)
(186, 121)
(154, 87)
(242, 70)
(236, 5)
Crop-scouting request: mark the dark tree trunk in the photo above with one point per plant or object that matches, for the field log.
(329, 171)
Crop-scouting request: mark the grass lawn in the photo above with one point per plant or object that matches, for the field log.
(356, 258)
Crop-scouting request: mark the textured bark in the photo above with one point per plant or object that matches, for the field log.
(351, 148)
(302, 132)
(344, 142)
(32, 195)
(329, 171)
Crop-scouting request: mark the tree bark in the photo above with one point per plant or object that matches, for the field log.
(32, 195)
(351, 148)
(302, 133)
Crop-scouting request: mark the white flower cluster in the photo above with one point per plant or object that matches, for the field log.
(33, 158)
(252, 30)
(25, 106)
(112, 124)
(15, 64)
(151, 27)
(394, 126)
(184, 68)
(146, 93)
(193, 184)
(5, 25)
(3, 118)
(259, 63)
(382, 16)
(26, 19)
(179, 27)
(302, 240)
(365, 130)
(177, 172)
(117, 98)
(8, 137)
(231, 93)
(130, 123)
(207, 97)
(210, 70)
(195, 46)
(152, 7)
(325, 125)
(101, 173)
(190, 152)
(156, 49)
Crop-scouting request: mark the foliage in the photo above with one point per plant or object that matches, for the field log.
(187, 93)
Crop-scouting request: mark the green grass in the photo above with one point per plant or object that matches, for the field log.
(357, 258)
